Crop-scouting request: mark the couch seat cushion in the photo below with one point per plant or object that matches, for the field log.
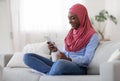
(70, 78)
(20, 74)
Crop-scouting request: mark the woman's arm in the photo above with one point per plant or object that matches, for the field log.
(89, 52)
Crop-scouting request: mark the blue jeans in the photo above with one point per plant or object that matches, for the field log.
(60, 67)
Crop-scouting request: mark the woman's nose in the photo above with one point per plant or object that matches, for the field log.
(70, 21)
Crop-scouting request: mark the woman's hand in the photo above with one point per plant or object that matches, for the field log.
(52, 47)
(61, 55)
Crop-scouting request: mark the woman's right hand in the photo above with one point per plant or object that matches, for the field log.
(52, 47)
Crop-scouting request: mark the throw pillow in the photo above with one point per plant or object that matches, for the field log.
(37, 48)
(17, 61)
(115, 56)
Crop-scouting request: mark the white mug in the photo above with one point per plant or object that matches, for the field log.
(54, 56)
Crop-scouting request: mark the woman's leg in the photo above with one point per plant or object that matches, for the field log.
(37, 62)
(64, 67)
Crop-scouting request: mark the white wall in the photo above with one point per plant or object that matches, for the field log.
(5, 41)
(113, 6)
(94, 6)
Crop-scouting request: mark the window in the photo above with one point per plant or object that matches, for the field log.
(45, 15)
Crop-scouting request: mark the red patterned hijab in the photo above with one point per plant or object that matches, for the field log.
(77, 39)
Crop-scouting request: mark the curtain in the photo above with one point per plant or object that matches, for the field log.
(14, 7)
(32, 20)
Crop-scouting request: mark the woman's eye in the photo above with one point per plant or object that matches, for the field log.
(72, 17)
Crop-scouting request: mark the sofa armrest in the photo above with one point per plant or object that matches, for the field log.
(1, 69)
(110, 71)
(7, 57)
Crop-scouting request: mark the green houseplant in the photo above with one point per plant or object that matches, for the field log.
(101, 18)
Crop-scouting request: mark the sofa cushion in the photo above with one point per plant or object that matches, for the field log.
(42, 47)
(17, 60)
(70, 78)
(37, 48)
(20, 74)
(102, 54)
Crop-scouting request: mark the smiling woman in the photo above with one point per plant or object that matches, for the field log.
(79, 47)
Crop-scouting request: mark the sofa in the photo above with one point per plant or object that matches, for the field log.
(103, 67)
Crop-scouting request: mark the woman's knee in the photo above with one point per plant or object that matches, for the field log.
(61, 64)
(58, 67)
(27, 58)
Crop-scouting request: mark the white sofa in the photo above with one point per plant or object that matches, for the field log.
(99, 69)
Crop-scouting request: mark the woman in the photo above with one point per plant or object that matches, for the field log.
(80, 45)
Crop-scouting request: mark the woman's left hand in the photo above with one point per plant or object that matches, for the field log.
(61, 55)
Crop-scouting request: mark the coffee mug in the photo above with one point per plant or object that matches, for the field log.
(54, 56)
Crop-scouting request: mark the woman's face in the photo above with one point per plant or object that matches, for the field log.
(73, 20)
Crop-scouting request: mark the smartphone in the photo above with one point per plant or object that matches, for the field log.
(49, 42)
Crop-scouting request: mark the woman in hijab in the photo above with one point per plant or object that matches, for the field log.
(80, 45)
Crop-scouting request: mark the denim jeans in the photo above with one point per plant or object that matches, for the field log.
(60, 67)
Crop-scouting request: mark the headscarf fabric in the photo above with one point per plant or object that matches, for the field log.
(77, 39)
